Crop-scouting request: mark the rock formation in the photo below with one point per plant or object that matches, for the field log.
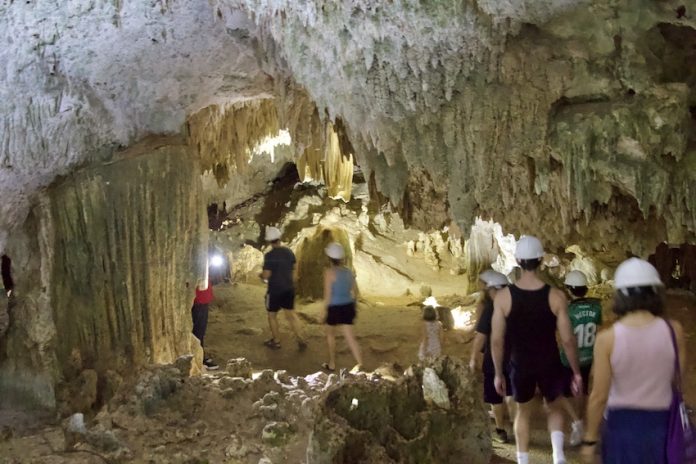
(109, 253)
(163, 415)
(574, 115)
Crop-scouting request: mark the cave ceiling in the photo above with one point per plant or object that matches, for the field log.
(570, 119)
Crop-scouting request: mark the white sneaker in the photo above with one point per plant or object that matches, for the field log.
(577, 431)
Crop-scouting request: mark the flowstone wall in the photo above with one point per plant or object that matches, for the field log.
(118, 244)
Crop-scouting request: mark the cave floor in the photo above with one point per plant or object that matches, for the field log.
(388, 331)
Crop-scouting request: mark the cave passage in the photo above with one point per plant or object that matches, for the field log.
(6, 271)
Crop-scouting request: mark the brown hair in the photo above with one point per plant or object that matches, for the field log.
(429, 313)
(639, 298)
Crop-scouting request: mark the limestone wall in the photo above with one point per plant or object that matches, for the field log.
(101, 279)
(567, 119)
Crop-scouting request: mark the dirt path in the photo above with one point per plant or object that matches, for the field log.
(387, 329)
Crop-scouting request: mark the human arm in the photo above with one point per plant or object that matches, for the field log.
(482, 330)
(559, 306)
(266, 272)
(600, 390)
(328, 281)
(501, 306)
(476, 347)
(355, 289)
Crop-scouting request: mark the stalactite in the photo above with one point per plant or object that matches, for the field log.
(479, 103)
(338, 167)
(225, 135)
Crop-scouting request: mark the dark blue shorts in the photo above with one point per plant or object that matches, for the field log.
(634, 436)
(277, 301)
(551, 380)
(341, 314)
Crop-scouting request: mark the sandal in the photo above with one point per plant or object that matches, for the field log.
(272, 344)
(357, 368)
(326, 367)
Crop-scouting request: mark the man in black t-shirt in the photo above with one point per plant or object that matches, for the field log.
(279, 272)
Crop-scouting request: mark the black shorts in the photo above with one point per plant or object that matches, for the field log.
(277, 301)
(490, 396)
(585, 373)
(551, 380)
(341, 314)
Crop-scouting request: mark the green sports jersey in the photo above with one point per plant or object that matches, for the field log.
(585, 317)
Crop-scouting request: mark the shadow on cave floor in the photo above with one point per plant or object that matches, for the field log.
(387, 330)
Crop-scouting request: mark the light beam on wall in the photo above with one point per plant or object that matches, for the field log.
(269, 144)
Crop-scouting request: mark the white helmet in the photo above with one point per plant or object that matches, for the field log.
(272, 234)
(529, 247)
(335, 251)
(493, 279)
(635, 272)
(576, 279)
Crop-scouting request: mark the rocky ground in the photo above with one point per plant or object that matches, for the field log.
(275, 407)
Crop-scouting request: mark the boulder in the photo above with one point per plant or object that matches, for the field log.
(403, 421)
(239, 367)
(434, 390)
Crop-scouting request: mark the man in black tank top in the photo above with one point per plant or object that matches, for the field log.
(525, 317)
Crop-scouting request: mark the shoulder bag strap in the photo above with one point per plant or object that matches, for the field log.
(677, 369)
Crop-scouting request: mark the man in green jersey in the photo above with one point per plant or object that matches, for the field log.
(586, 317)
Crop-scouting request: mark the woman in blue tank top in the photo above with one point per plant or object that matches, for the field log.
(340, 292)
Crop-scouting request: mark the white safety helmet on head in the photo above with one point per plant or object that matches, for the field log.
(576, 279)
(272, 234)
(529, 247)
(494, 279)
(335, 251)
(634, 273)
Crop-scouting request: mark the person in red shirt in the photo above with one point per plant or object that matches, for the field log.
(199, 315)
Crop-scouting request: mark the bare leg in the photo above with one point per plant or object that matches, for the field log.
(273, 324)
(352, 343)
(568, 407)
(294, 324)
(331, 342)
(499, 415)
(511, 408)
(580, 402)
(522, 426)
(555, 415)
